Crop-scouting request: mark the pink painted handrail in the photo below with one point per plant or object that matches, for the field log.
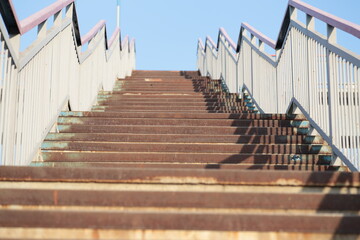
(34, 20)
(259, 35)
(230, 41)
(41, 16)
(93, 32)
(346, 26)
(113, 37)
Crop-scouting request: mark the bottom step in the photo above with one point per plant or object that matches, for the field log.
(178, 220)
(111, 234)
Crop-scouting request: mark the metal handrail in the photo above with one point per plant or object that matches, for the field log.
(265, 39)
(34, 20)
(309, 71)
(90, 35)
(113, 37)
(51, 75)
(223, 32)
(332, 20)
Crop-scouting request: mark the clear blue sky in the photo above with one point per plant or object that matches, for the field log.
(167, 31)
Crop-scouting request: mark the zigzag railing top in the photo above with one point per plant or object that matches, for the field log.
(14, 26)
(329, 19)
(346, 26)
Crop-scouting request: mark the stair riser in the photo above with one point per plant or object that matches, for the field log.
(161, 96)
(183, 139)
(214, 158)
(101, 110)
(169, 108)
(180, 147)
(167, 84)
(175, 94)
(184, 166)
(171, 104)
(169, 100)
(178, 176)
(190, 221)
(184, 115)
(138, 96)
(160, 89)
(182, 122)
(132, 199)
(181, 130)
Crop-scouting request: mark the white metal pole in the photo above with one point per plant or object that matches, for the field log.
(118, 14)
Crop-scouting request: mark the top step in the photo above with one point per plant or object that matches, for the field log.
(146, 73)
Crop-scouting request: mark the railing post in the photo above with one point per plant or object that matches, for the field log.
(310, 22)
(42, 28)
(293, 16)
(57, 19)
(331, 38)
(70, 10)
(15, 43)
(310, 26)
(331, 34)
(293, 13)
(261, 46)
(253, 42)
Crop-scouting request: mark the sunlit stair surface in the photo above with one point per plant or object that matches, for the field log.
(172, 155)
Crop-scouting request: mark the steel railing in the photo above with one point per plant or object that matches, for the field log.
(309, 72)
(52, 74)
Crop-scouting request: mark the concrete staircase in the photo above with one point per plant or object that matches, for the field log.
(171, 155)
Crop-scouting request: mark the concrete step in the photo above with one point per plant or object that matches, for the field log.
(165, 100)
(181, 138)
(139, 95)
(212, 130)
(172, 108)
(147, 73)
(201, 201)
(185, 147)
(174, 115)
(171, 104)
(181, 221)
(184, 166)
(179, 176)
(183, 157)
(182, 122)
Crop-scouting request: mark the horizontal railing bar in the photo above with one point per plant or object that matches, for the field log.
(208, 38)
(41, 16)
(93, 32)
(228, 39)
(27, 55)
(265, 39)
(342, 24)
(263, 54)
